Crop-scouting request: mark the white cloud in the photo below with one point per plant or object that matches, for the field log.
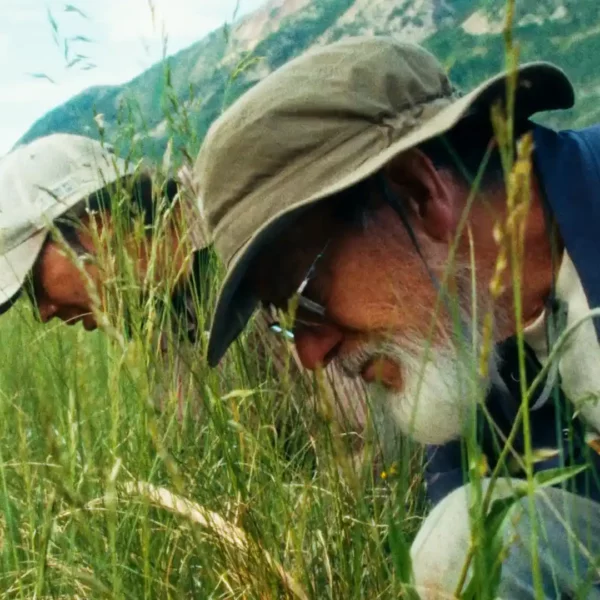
(23, 103)
(9, 138)
(25, 91)
(5, 44)
(127, 41)
(150, 19)
(22, 11)
(34, 91)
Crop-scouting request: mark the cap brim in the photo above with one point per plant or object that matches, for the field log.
(16, 265)
(541, 87)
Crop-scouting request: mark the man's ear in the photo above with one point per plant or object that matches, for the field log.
(432, 194)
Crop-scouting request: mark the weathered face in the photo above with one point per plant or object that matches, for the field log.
(68, 288)
(380, 321)
(60, 288)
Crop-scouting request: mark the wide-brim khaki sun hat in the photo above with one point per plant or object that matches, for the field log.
(320, 124)
(40, 182)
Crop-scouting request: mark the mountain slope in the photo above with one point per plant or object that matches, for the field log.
(178, 99)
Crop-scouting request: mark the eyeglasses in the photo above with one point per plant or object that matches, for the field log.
(315, 312)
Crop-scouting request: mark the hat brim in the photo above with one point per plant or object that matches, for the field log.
(16, 265)
(541, 86)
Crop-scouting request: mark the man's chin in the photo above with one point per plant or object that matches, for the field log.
(436, 417)
(433, 396)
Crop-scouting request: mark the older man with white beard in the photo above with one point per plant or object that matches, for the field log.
(339, 191)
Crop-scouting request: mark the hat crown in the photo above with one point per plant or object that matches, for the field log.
(301, 111)
(45, 179)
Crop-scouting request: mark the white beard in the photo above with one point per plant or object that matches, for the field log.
(441, 384)
(440, 393)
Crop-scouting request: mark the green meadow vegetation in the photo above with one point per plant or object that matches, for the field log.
(130, 473)
(109, 488)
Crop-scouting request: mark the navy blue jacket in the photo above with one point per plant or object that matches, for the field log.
(567, 164)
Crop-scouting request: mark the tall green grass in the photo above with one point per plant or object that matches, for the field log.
(130, 473)
(82, 439)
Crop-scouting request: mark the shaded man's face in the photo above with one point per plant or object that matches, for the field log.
(59, 285)
(70, 281)
(380, 321)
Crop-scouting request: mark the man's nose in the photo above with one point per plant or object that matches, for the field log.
(317, 346)
(47, 310)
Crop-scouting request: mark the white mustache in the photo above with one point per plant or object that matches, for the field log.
(352, 364)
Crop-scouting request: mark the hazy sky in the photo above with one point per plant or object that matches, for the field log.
(125, 40)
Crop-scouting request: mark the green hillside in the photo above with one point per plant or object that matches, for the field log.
(180, 97)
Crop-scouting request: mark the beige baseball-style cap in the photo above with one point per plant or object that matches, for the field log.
(40, 182)
(320, 124)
